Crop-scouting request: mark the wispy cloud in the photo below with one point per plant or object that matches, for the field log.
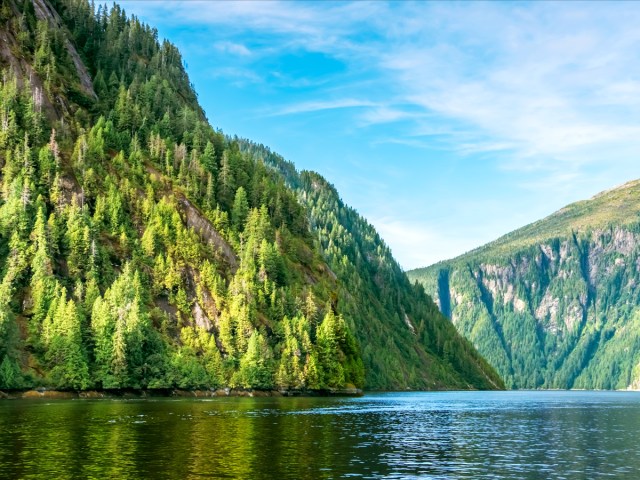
(319, 24)
(532, 81)
(316, 106)
(237, 75)
(383, 114)
(232, 48)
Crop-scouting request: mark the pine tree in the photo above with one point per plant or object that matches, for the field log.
(240, 209)
(42, 280)
(255, 366)
(65, 353)
(208, 160)
(290, 373)
(120, 326)
(226, 183)
(330, 335)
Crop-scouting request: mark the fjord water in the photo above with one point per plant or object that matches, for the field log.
(393, 435)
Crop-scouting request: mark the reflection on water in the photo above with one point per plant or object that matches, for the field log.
(429, 435)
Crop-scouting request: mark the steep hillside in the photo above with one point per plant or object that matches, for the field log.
(555, 304)
(404, 337)
(139, 248)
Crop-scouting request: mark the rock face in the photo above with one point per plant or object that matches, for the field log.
(555, 312)
(197, 221)
(45, 12)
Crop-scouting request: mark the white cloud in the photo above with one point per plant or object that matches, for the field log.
(316, 106)
(382, 114)
(238, 76)
(233, 48)
(411, 245)
(532, 82)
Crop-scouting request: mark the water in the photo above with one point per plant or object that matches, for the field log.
(529, 435)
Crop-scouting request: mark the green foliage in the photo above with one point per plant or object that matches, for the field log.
(139, 248)
(240, 209)
(554, 304)
(65, 355)
(10, 374)
(255, 365)
(397, 328)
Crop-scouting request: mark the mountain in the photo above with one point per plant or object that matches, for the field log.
(555, 304)
(406, 342)
(140, 248)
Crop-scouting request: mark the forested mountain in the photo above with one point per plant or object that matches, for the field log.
(555, 304)
(406, 342)
(140, 248)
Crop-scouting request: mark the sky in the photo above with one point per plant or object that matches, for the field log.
(445, 124)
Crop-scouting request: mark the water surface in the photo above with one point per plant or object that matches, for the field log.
(530, 435)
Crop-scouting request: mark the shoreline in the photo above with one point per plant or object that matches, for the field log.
(132, 394)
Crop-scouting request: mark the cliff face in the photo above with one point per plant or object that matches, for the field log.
(555, 312)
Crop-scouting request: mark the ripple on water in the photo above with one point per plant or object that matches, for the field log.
(484, 435)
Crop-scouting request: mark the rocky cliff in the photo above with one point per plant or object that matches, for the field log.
(554, 304)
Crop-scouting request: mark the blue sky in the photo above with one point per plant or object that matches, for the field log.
(445, 124)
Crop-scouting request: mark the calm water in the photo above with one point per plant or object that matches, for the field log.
(537, 435)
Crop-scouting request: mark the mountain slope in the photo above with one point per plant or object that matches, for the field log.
(139, 248)
(404, 337)
(554, 304)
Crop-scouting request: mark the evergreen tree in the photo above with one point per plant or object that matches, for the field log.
(240, 209)
(65, 353)
(255, 366)
(42, 279)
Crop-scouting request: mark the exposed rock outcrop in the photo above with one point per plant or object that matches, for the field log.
(196, 220)
(45, 12)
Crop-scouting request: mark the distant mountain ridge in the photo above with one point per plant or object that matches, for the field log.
(555, 304)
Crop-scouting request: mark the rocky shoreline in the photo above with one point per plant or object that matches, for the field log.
(127, 394)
